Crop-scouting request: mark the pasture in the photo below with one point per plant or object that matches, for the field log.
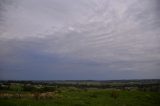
(47, 95)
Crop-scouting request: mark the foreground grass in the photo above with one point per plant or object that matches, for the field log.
(77, 97)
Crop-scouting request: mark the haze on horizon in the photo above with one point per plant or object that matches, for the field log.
(79, 39)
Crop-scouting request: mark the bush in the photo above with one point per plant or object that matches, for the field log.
(48, 89)
(115, 94)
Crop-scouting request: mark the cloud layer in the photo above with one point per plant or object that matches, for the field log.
(94, 39)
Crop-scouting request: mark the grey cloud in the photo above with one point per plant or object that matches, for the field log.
(119, 36)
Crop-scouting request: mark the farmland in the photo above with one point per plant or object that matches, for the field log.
(80, 93)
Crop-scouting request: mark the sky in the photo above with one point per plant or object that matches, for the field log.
(79, 39)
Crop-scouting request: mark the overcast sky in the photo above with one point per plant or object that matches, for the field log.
(79, 39)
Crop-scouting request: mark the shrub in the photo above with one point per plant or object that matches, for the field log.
(115, 94)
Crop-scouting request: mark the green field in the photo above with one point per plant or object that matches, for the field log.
(80, 93)
(91, 97)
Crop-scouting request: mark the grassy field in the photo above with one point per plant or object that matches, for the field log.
(89, 97)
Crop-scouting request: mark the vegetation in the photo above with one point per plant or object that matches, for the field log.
(56, 94)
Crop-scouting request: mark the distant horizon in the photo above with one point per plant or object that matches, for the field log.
(81, 80)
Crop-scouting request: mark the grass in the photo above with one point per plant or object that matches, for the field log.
(96, 97)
